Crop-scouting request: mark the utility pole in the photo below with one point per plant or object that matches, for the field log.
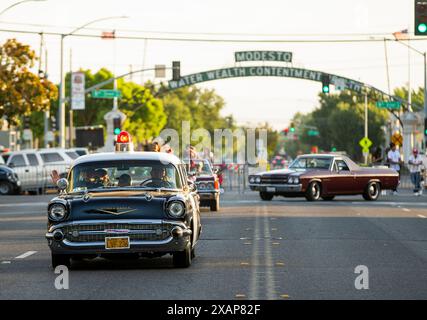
(61, 100)
(365, 154)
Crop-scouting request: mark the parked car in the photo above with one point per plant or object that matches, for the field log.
(124, 204)
(9, 182)
(323, 176)
(207, 183)
(80, 151)
(34, 166)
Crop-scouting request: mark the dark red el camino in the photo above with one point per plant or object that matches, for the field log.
(323, 176)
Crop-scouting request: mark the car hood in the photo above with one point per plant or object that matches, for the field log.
(118, 205)
(280, 172)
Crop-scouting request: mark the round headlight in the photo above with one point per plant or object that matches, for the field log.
(176, 209)
(258, 179)
(296, 180)
(291, 180)
(201, 186)
(251, 180)
(57, 212)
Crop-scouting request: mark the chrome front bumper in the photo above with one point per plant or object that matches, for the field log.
(278, 188)
(175, 240)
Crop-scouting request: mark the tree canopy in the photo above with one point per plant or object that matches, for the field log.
(21, 91)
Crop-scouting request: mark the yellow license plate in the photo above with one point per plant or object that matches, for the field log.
(117, 243)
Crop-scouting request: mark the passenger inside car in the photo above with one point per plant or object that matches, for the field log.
(125, 180)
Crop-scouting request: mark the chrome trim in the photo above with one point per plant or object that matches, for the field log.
(130, 232)
(102, 244)
(115, 221)
(275, 185)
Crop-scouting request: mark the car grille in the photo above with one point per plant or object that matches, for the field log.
(97, 232)
(274, 179)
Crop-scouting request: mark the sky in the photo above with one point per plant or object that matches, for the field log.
(250, 100)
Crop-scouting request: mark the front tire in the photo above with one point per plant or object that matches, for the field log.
(372, 191)
(5, 188)
(61, 260)
(266, 196)
(314, 191)
(214, 206)
(182, 259)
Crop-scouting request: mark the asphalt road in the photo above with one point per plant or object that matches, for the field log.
(283, 249)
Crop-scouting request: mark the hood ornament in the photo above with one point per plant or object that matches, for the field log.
(148, 196)
(115, 211)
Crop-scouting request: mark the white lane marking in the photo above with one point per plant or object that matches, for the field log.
(25, 204)
(421, 216)
(26, 254)
(406, 210)
(254, 288)
(269, 283)
(5, 262)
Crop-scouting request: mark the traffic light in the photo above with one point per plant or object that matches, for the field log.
(325, 83)
(292, 128)
(425, 127)
(53, 123)
(26, 122)
(117, 124)
(176, 70)
(420, 18)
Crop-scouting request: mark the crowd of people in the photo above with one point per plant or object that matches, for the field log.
(417, 164)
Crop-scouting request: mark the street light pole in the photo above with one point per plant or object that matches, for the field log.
(61, 109)
(425, 101)
(18, 3)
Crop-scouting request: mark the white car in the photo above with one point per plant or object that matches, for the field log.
(34, 166)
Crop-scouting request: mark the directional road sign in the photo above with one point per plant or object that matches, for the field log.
(365, 143)
(397, 139)
(388, 104)
(106, 94)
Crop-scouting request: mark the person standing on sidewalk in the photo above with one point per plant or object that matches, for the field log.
(415, 162)
(394, 160)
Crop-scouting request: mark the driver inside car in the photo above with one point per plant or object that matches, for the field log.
(158, 178)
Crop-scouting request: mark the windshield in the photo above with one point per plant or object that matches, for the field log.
(110, 175)
(311, 163)
(200, 167)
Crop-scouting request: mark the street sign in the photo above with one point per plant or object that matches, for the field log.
(27, 135)
(77, 91)
(312, 133)
(388, 104)
(365, 143)
(263, 56)
(340, 84)
(159, 71)
(50, 136)
(106, 94)
(397, 139)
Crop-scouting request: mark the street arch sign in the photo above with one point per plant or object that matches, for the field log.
(262, 71)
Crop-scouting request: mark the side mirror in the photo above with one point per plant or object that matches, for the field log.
(62, 184)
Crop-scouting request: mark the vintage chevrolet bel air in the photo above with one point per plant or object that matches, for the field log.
(323, 176)
(124, 204)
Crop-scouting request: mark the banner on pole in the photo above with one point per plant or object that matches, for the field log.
(77, 91)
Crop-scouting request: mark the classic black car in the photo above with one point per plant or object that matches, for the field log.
(124, 204)
(207, 183)
(325, 176)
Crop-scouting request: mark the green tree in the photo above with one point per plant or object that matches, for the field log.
(21, 91)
